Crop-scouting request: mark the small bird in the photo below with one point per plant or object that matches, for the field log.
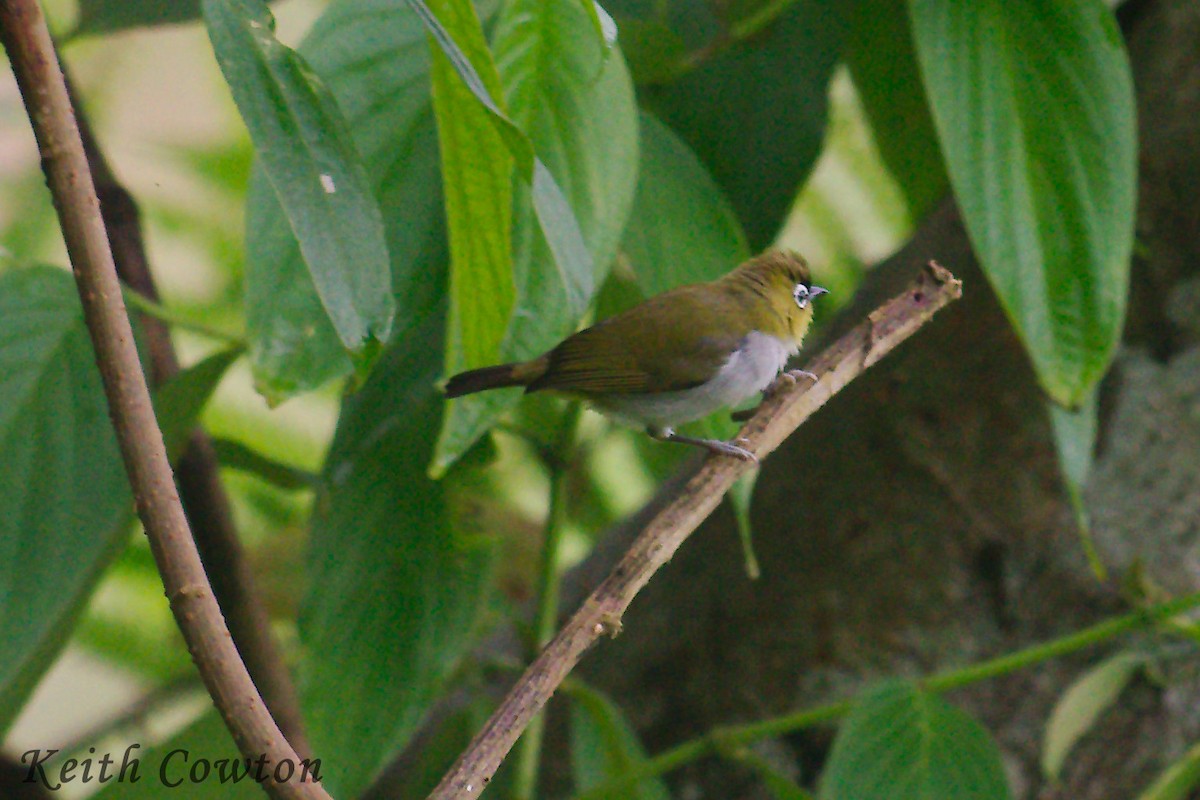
(679, 356)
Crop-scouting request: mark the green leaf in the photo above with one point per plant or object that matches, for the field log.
(307, 154)
(178, 402)
(1178, 780)
(105, 16)
(604, 747)
(903, 743)
(682, 229)
(167, 766)
(395, 587)
(1081, 705)
(64, 500)
(755, 112)
(578, 110)
(477, 174)
(740, 495)
(884, 67)
(374, 57)
(1033, 104)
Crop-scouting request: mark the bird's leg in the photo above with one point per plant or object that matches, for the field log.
(783, 381)
(713, 445)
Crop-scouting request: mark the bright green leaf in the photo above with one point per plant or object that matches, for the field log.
(1081, 705)
(604, 747)
(584, 125)
(374, 57)
(903, 743)
(1033, 104)
(477, 172)
(395, 589)
(884, 67)
(64, 500)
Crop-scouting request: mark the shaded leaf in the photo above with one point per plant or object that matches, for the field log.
(754, 113)
(395, 588)
(179, 401)
(64, 500)
(1033, 104)
(604, 747)
(105, 16)
(1076, 712)
(884, 67)
(307, 154)
(1177, 781)
(903, 743)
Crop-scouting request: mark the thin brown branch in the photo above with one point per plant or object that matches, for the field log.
(601, 613)
(204, 499)
(44, 91)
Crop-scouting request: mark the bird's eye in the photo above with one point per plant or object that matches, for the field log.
(801, 295)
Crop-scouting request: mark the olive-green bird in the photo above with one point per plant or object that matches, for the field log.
(680, 355)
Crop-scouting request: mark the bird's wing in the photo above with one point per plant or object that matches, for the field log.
(640, 351)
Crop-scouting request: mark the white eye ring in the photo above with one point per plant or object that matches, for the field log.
(800, 293)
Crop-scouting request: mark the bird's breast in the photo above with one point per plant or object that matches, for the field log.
(750, 369)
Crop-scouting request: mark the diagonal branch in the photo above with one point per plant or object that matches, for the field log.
(44, 91)
(774, 421)
(204, 499)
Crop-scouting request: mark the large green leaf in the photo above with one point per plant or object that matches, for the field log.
(373, 56)
(64, 500)
(394, 588)
(884, 66)
(307, 154)
(576, 105)
(1033, 104)
(477, 172)
(903, 743)
(755, 112)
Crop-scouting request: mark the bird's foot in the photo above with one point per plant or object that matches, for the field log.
(712, 445)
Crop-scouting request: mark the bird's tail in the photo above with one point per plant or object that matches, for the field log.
(479, 380)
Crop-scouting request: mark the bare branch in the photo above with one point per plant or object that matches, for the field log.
(204, 499)
(46, 100)
(601, 613)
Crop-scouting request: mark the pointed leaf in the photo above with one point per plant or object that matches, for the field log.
(307, 154)
(903, 743)
(374, 57)
(1033, 104)
(178, 402)
(1081, 705)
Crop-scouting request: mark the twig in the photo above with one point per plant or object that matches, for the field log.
(731, 736)
(44, 91)
(204, 499)
(776, 419)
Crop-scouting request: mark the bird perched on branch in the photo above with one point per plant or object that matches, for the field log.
(680, 355)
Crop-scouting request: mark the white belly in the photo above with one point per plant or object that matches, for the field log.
(749, 370)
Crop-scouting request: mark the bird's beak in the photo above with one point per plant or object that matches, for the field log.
(817, 290)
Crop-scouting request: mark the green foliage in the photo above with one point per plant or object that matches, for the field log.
(1033, 104)
(442, 186)
(308, 156)
(902, 742)
(65, 501)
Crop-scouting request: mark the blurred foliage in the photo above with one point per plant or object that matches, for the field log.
(584, 174)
